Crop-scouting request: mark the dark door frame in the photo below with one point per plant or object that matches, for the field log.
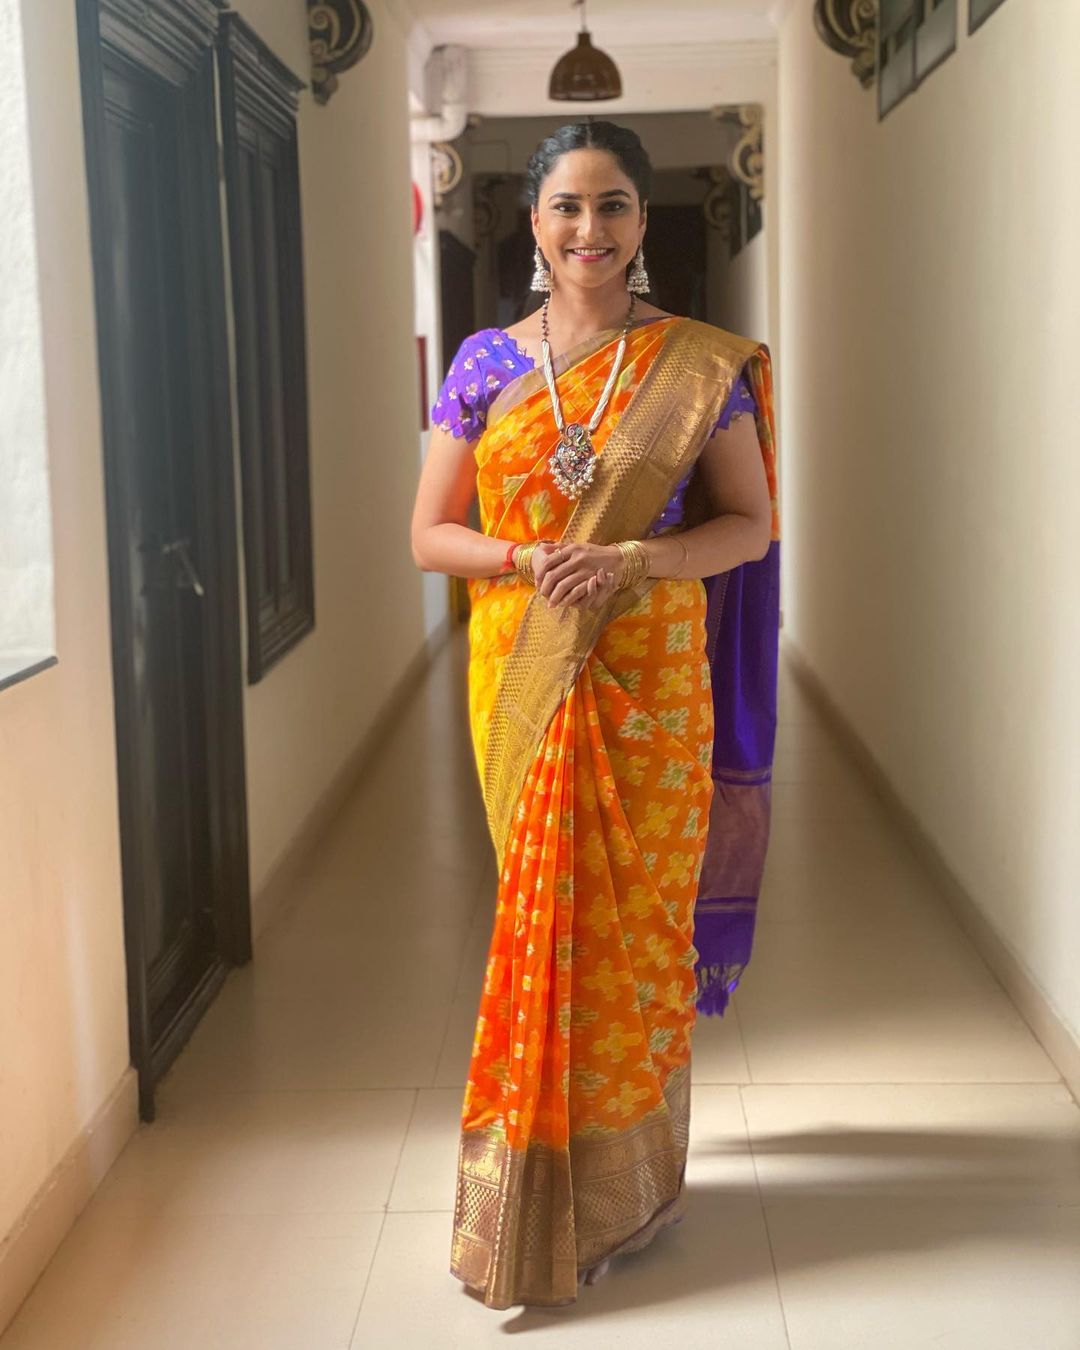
(167, 36)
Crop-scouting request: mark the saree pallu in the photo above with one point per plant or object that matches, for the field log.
(596, 734)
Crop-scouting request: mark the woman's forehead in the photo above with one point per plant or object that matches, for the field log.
(594, 170)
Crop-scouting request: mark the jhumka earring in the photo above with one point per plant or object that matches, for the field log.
(638, 280)
(541, 277)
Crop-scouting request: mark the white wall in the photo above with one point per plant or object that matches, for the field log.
(63, 1010)
(930, 336)
(306, 715)
(743, 292)
(63, 1017)
(427, 321)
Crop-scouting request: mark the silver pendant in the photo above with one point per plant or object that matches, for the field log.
(573, 461)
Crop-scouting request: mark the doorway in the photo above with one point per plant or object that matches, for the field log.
(152, 172)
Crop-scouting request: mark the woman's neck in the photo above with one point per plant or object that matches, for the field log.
(576, 313)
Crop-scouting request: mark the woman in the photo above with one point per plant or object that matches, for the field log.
(622, 685)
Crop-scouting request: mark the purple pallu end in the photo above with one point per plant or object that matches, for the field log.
(742, 642)
(742, 634)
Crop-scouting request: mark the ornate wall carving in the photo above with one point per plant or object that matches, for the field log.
(850, 27)
(340, 33)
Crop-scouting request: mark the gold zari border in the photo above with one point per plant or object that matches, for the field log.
(525, 1221)
(658, 437)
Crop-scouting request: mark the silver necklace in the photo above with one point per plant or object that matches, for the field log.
(573, 461)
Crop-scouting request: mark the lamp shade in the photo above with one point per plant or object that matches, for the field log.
(585, 74)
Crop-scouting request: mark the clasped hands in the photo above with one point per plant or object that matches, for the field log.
(577, 574)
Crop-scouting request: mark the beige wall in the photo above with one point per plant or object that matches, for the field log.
(63, 1018)
(743, 291)
(63, 1012)
(930, 322)
(308, 713)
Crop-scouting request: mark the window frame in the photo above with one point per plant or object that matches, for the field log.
(976, 22)
(928, 20)
(259, 101)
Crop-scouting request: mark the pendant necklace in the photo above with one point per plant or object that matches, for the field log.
(573, 461)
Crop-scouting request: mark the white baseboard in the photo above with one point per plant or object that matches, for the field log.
(1031, 1002)
(47, 1220)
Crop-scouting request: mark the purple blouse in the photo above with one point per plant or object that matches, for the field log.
(489, 359)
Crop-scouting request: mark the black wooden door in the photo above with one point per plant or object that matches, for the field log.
(152, 154)
(675, 258)
(457, 264)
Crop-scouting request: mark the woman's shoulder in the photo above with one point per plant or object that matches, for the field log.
(736, 344)
(484, 342)
(482, 364)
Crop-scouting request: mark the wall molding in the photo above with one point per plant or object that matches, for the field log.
(1047, 1025)
(780, 10)
(64, 1194)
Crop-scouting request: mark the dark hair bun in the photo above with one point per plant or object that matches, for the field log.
(621, 142)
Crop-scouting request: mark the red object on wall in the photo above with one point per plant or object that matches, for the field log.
(417, 209)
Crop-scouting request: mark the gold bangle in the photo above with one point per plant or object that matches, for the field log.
(636, 562)
(522, 558)
(685, 555)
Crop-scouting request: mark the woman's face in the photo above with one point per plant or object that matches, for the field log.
(589, 220)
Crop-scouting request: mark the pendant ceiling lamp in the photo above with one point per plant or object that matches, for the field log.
(584, 74)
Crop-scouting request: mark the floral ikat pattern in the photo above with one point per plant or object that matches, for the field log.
(589, 989)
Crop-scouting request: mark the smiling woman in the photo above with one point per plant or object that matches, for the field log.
(622, 696)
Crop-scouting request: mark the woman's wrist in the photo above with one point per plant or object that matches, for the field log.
(520, 555)
(668, 555)
(659, 556)
(508, 558)
(634, 563)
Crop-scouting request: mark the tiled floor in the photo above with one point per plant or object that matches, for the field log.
(883, 1158)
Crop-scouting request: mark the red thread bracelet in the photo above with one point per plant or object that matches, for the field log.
(508, 562)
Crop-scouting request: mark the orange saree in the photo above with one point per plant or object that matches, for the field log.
(593, 735)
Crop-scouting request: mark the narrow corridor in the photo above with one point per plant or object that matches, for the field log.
(881, 1153)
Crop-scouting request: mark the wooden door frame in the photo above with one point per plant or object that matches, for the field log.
(162, 37)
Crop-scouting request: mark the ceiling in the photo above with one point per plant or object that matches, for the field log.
(553, 23)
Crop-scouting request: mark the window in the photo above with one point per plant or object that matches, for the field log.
(26, 564)
(935, 37)
(914, 36)
(258, 109)
(980, 10)
(896, 52)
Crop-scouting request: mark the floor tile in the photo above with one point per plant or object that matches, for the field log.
(264, 1153)
(913, 1178)
(826, 1001)
(919, 1215)
(341, 1034)
(875, 884)
(707, 1281)
(166, 1281)
(426, 1173)
(717, 1052)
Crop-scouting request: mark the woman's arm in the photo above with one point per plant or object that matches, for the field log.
(734, 479)
(441, 540)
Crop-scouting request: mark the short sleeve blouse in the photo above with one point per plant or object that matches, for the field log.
(489, 359)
